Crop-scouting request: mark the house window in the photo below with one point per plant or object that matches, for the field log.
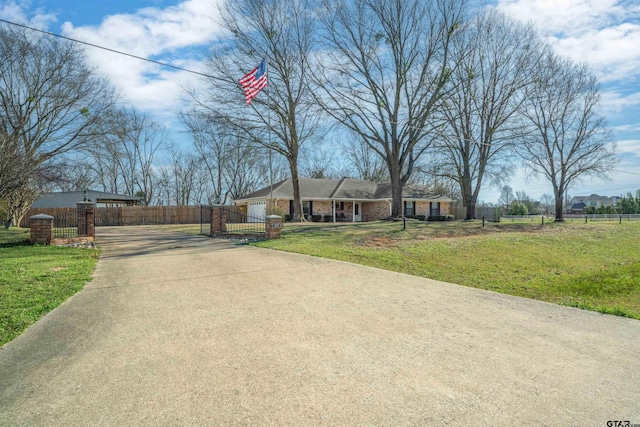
(340, 206)
(307, 207)
(434, 208)
(409, 208)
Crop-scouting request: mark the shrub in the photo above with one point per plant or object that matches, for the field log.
(273, 209)
(518, 208)
(316, 218)
(440, 218)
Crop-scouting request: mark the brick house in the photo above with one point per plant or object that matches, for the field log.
(352, 200)
(579, 203)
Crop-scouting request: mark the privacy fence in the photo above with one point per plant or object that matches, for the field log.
(133, 215)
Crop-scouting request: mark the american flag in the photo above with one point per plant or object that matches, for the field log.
(255, 81)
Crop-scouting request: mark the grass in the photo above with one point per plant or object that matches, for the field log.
(593, 266)
(36, 279)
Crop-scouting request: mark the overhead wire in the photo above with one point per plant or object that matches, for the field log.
(164, 64)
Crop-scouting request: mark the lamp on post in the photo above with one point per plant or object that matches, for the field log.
(84, 195)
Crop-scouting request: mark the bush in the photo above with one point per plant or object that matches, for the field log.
(316, 218)
(288, 218)
(518, 208)
(273, 209)
(420, 217)
(440, 218)
(328, 218)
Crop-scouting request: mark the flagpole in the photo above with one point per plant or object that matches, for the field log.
(269, 129)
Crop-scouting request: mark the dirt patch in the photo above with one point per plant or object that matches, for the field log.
(58, 268)
(379, 242)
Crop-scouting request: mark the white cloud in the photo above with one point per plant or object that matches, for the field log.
(156, 34)
(18, 11)
(629, 146)
(603, 33)
(614, 102)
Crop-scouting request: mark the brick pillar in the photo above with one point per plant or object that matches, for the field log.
(86, 219)
(41, 229)
(273, 225)
(218, 220)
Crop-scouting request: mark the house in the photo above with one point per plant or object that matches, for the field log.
(347, 199)
(69, 199)
(578, 203)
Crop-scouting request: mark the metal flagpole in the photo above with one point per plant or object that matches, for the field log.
(269, 130)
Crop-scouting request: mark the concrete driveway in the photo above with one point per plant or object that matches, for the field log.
(186, 330)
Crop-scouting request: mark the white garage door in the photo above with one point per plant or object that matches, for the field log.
(256, 211)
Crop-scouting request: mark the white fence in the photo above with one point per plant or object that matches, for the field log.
(573, 217)
(602, 217)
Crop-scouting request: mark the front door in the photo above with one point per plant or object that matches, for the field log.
(357, 215)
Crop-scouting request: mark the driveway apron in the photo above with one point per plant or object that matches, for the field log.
(189, 330)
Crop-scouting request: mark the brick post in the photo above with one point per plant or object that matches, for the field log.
(41, 229)
(86, 219)
(273, 225)
(218, 220)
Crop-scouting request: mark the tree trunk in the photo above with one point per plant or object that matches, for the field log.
(297, 204)
(397, 185)
(559, 210)
(470, 203)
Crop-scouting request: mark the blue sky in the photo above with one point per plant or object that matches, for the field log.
(603, 33)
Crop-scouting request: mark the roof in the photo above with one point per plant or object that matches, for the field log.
(593, 198)
(69, 199)
(343, 189)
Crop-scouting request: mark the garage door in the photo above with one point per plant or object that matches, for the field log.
(256, 211)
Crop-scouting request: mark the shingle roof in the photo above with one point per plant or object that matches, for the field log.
(309, 188)
(346, 188)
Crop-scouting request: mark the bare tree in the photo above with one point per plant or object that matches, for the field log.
(282, 117)
(364, 162)
(386, 66)
(231, 163)
(567, 139)
(122, 157)
(319, 162)
(497, 61)
(547, 202)
(50, 101)
(506, 197)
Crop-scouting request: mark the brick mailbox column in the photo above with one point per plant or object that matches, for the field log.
(218, 220)
(273, 224)
(86, 219)
(41, 229)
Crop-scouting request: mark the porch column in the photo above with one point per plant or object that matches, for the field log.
(333, 204)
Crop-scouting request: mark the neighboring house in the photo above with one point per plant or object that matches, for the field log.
(578, 203)
(69, 199)
(347, 199)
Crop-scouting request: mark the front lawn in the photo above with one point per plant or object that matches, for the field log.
(36, 279)
(595, 266)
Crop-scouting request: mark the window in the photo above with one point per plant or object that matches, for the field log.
(339, 206)
(409, 208)
(307, 207)
(434, 208)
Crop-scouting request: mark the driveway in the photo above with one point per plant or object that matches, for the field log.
(188, 330)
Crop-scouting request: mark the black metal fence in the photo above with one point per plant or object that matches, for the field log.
(237, 222)
(242, 223)
(65, 224)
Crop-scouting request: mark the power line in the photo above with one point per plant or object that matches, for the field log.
(621, 171)
(164, 64)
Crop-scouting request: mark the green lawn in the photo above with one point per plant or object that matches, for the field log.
(595, 266)
(36, 279)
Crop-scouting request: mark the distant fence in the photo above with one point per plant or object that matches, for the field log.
(602, 217)
(133, 215)
(490, 213)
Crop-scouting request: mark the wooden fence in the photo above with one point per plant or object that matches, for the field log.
(135, 215)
